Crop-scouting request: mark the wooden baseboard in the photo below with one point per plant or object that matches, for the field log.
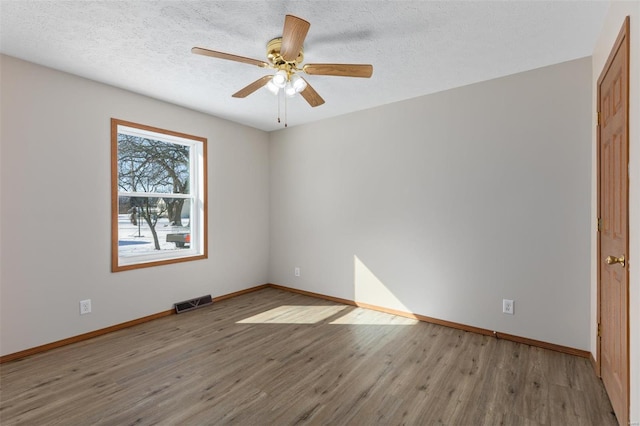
(545, 345)
(86, 336)
(463, 327)
(240, 293)
(594, 364)
(316, 295)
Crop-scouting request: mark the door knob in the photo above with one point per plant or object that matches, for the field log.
(611, 260)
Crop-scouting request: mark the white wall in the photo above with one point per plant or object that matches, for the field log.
(55, 208)
(445, 204)
(617, 13)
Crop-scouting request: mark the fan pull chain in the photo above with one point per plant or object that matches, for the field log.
(278, 101)
(285, 111)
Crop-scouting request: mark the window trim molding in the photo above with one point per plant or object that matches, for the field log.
(115, 266)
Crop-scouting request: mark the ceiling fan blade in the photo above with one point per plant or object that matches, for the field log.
(311, 96)
(228, 56)
(341, 70)
(293, 35)
(246, 91)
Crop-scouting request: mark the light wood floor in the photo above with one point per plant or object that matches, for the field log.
(277, 358)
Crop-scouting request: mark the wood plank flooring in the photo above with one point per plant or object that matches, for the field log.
(278, 358)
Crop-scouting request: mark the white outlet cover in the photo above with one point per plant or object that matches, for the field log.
(296, 271)
(507, 306)
(85, 306)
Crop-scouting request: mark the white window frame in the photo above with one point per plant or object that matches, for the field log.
(197, 197)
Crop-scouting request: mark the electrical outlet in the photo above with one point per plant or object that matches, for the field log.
(507, 306)
(85, 306)
(296, 271)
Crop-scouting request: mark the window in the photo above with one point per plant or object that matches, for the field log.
(158, 196)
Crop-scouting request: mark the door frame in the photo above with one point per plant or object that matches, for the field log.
(623, 36)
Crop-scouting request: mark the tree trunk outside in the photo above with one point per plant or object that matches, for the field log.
(169, 203)
(156, 243)
(146, 213)
(175, 216)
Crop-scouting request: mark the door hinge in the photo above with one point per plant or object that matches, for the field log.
(599, 224)
(598, 118)
(599, 330)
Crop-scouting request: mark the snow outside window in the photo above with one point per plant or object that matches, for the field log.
(159, 206)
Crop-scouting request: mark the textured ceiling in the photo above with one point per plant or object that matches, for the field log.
(416, 47)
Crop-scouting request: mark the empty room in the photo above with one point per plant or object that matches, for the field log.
(319, 212)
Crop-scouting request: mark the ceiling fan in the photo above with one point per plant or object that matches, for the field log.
(285, 54)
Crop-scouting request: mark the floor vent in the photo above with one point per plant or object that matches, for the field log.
(189, 305)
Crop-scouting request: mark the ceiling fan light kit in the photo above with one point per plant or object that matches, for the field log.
(284, 54)
(280, 79)
(272, 87)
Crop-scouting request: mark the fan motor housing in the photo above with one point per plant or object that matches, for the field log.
(273, 54)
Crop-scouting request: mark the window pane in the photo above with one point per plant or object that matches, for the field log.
(148, 165)
(149, 225)
(158, 196)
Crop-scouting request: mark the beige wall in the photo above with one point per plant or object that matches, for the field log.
(617, 13)
(355, 202)
(55, 208)
(444, 205)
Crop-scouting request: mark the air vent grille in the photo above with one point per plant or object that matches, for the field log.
(189, 305)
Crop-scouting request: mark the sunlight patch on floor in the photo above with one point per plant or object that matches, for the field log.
(288, 314)
(368, 317)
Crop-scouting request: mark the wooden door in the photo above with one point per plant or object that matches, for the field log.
(613, 150)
